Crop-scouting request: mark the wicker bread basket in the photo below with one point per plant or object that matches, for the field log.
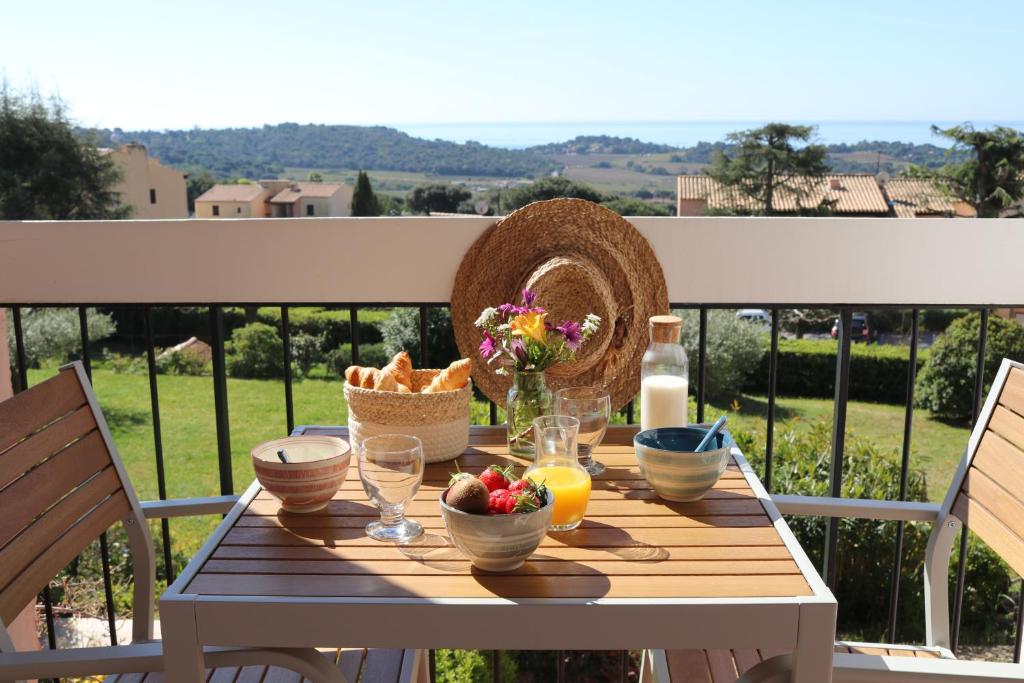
(440, 420)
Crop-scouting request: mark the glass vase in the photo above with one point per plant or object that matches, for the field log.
(529, 398)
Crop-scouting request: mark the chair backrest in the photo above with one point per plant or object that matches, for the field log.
(62, 484)
(990, 499)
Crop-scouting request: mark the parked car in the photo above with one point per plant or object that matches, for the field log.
(860, 330)
(755, 315)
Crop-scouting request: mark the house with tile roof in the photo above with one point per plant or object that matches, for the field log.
(849, 194)
(919, 198)
(275, 199)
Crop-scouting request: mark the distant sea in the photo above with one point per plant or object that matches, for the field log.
(680, 133)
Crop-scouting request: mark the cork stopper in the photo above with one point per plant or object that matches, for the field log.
(666, 329)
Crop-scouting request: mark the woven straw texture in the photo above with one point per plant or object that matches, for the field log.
(579, 258)
(440, 420)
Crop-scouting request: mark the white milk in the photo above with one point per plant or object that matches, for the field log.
(663, 401)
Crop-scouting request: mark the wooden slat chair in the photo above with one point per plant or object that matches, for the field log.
(987, 495)
(62, 484)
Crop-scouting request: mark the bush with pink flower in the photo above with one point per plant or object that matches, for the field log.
(521, 336)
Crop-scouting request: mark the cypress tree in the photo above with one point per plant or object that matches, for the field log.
(364, 201)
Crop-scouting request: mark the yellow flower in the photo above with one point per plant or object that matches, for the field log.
(530, 325)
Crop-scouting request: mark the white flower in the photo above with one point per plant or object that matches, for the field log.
(501, 371)
(590, 324)
(504, 327)
(486, 317)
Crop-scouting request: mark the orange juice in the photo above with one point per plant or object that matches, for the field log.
(571, 486)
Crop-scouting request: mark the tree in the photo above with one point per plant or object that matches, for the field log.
(197, 184)
(991, 179)
(766, 161)
(46, 171)
(552, 187)
(364, 201)
(624, 206)
(438, 197)
(315, 177)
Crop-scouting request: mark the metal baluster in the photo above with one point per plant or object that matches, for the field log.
(773, 374)
(220, 402)
(1020, 623)
(353, 320)
(702, 360)
(560, 670)
(829, 570)
(493, 409)
(21, 362)
(286, 339)
(630, 416)
(108, 587)
(908, 426)
(961, 569)
(158, 447)
(432, 665)
(423, 336)
(496, 666)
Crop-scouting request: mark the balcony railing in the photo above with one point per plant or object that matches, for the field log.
(709, 263)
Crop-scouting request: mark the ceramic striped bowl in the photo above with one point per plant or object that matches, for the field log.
(670, 466)
(316, 469)
(497, 543)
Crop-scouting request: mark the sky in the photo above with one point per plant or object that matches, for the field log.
(224, 63)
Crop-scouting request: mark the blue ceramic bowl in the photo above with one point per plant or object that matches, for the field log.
(673, 469)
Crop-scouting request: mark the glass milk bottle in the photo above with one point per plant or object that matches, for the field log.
(664, 376)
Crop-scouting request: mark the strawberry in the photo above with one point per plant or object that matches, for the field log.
(495, 478)
(523, 502)
(520, 485)
(497, 502)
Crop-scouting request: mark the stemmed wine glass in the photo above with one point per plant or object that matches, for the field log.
(391, 468)
(592, 406)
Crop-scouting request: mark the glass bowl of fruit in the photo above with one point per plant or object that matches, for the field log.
(496, 519)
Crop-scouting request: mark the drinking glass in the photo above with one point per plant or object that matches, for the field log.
(592, 406)
(391, 469)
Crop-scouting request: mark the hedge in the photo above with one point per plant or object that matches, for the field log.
(807, 367)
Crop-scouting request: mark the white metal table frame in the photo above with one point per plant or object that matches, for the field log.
(804, 624)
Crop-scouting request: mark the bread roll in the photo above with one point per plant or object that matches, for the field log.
(451, 378)
(422, 378)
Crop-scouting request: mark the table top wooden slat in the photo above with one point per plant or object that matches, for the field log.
(632, 544)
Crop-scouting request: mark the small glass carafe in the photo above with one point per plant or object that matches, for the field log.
(558, 468)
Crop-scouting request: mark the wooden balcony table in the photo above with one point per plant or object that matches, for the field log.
(723, 572)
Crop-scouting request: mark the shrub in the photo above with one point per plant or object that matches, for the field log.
(306, 352)
(255, 351)
(54, 333)
(372, 355)
(734, 349)
(807, 367)
(946, 384)
(183, 362)
(402, 331)
(801, 460)
(123, 364)
(472, 666)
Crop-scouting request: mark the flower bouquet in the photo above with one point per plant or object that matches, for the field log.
(522, 342)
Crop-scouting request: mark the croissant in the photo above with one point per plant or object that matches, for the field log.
(358, 376)
(401, 365)
(386, 381)
(451, 378)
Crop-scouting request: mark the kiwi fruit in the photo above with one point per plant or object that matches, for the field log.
(468, 495)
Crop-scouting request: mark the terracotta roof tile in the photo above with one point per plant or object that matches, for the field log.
(298, 190)
(852, 193)
(231, 193)
(912, 197)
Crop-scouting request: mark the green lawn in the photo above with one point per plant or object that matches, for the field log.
(256, 410)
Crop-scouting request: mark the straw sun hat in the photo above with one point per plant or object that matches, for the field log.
(578, 258)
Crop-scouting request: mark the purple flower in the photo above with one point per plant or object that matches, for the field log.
(519, 349)
(488, 346)
(528, 298)
(571, 331)
(505, 310)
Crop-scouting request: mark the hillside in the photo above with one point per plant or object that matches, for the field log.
(601, 144)
(267, 151)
